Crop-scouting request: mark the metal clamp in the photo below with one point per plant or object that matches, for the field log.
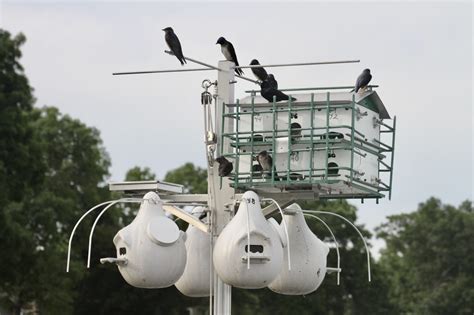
(122, 261)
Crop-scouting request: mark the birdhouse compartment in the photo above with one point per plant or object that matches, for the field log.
(327, 142)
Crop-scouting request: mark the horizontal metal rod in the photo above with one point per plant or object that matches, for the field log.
(161, 71)
(196, 61)
(211, 66)
(250, 80)
(298, 64)
(317, 88)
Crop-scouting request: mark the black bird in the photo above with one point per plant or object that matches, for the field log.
(259, 72)
(268, 90)
(363, 80)
(272, 82)
(229, 53)
(225, 167)
(174, 44)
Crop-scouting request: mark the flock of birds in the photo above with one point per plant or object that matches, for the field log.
(268, 90)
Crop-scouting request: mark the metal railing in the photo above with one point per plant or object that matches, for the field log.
(316, 139)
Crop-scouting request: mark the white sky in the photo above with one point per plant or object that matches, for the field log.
(420, 54)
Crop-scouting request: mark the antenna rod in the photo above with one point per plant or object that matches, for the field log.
(250, 80)
(298, 64)
(161, 71)
(195, 61)
(210, 66)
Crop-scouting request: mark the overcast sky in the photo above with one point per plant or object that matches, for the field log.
(420, 55)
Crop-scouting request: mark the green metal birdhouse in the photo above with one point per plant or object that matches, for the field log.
(331, 143)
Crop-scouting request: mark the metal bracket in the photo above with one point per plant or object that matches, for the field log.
(122, 261)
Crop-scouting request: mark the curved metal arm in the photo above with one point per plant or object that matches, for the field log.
(335, 241)
(125, 200)
(360, 234)
(75, 227)
(79, 222)
(286, 229)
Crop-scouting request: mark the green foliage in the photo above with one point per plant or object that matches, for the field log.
(427, 259)
(19, 168)
(136, 174)
(51, 168)
(192, 177)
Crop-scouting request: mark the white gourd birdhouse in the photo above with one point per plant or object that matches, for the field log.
(195, 280)
(150, 251)
(308, 257)
(248, 263)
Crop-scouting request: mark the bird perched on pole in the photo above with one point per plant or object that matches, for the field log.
(229, 53)
(174, 44)
(268, 89)
(271, 81)
(259, 72)
(225, 166)
(362, 80)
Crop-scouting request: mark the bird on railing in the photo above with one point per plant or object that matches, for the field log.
(228, 51)
(174, 44)
(266, 163)
(259, 72)
(362, 80)
(225, 166)
(269, 89)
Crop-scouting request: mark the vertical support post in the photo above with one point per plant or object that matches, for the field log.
(353, 111)
(311, 158)
(327, 139)
(221, 196)
(392, 157)
(274, 139)
(289, 142)
(252, 127)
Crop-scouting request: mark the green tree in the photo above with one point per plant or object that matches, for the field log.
(193, 178)
(51, 167)
(20, 170)
(136, 174)
(427, 259)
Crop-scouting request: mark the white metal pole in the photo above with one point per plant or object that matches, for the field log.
(221, 197)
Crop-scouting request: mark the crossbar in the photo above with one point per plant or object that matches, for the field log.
(298, 64)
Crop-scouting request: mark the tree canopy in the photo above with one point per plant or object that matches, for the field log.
(427, 259)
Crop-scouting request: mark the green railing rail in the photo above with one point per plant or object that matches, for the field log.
(325, 178)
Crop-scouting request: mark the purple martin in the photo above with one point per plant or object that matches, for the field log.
(266, 164)
(174, 44)
(225, 166)
(271, 81)
(268, 90)
(229, 53)
(363, 80)
(259, 72)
